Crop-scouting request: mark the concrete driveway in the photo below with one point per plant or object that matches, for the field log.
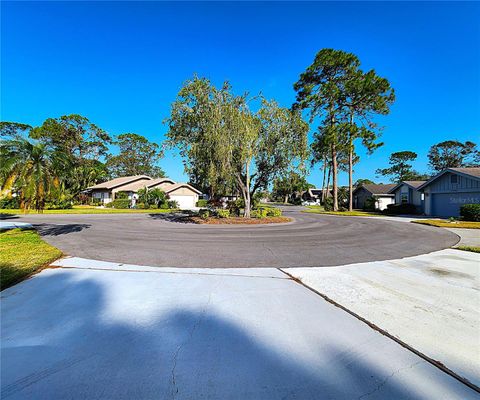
(90, 330)
(311, 240)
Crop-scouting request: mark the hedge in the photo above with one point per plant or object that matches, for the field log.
(470, 212)
(405, 208)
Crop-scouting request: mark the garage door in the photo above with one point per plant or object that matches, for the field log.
(448, 204)
(184, 202)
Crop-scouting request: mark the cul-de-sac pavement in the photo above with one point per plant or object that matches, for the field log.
(144, 306)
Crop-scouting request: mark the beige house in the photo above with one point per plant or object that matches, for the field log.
(184, 194)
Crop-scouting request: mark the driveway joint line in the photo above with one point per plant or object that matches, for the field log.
(169, 272)
(435, 363)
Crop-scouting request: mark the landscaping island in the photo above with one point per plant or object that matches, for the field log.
(234, 220)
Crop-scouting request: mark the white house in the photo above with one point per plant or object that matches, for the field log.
(184, 194)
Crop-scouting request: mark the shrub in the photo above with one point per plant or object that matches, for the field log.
(260, 213)
(328, 204)
(10, 203)
(172, 204)
(119, 203)
(470, 212)
(204, 213)
(95, 201)
(405, 208)
(59, 205)
(202, 203)
(370, 204)
(223, 213)
(121, 195)
(274, 212)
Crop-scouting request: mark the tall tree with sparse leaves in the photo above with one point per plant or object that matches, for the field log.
(453, 154)
(401, 168)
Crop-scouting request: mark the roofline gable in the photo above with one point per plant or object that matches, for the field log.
(445, 171)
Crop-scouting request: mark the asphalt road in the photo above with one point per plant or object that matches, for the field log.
(311, 240)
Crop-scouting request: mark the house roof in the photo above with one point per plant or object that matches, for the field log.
(158, 181)
(125, 180)
(413, 184)
(471, 172)
(176, 186)
(380, 189)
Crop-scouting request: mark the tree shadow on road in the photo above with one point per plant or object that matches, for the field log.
(56, 230)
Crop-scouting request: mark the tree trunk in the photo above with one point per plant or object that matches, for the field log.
(286, 199)
(246, 192)
(334, 177)
(324, 176)
(350, 167)
(350, 177)
(328, 181)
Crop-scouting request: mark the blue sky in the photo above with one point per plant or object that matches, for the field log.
(121, 64)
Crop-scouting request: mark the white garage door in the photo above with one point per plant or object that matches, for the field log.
(184, 201)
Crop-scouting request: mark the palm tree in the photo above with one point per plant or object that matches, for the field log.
(30, 169)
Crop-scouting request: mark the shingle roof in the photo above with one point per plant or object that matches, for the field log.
(118, 182)
(414, 184)
(378, 189)
(473, 171)
(169, 189)
(158, 181)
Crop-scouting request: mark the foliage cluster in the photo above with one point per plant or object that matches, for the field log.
(470, 212)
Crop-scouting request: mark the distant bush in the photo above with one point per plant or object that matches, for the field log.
(172, 204)
(204, 213)
(260, 213)
(370, 204)
(202, 203)
(10, 203)
(328, 204)
(470, 212)
(95, 201)
(223, 213)
(274, 212)
(59, 205)
(119, 203)
(121, 195)
(405, 208)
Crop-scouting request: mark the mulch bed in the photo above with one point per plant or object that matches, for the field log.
(235, 220)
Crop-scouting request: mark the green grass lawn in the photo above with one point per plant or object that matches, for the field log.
(448, 224)
(473, 249)
(355, 213)
(23, 252)
(89, 210)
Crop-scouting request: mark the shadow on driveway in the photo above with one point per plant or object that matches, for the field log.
(69, 336)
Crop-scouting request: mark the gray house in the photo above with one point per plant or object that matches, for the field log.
(381, 193)
(446, 192)
(407, 192)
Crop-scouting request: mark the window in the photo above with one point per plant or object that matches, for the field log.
(453, 178)
(404, 198)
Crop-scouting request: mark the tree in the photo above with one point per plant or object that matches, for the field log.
(366, 95)
(287, 185)
(137, 156)
(225, 143)
(30, 169)
(360, 182)
(81, 144)
(401, 168)
(155, 196)
(321, 90)
(11, 130)
(453, 154)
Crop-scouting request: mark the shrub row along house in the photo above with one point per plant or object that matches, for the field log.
(442, 195)
(184, 194)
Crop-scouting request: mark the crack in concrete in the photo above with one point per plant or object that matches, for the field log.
(384, 382)
(175, 389)
(173, 272)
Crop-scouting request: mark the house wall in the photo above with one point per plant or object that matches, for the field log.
(450, 195)
(185, 197)
(359, 197)
(413, 196)
(104, 195)
(384, 201)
